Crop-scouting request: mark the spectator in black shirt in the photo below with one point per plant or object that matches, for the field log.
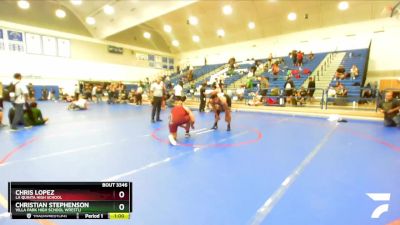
(203, 97)
(311, 88)
(390, 108)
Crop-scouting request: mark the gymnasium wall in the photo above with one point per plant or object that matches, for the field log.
(384, 34)
(89, 60)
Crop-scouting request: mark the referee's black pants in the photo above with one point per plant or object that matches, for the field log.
(156, 108)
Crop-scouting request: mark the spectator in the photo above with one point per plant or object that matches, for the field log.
(289, 87)
(331, 92)
(178, 89)
(340, 73)
(99, 94)
(76, 92)
(139, 93)
(81, 104)
(270, 60)
(294, 57)
(256, 101)
(231, 63)
(33, 116)
(390, 109)
(264, 85)
(301, 96)
(252, 71)
(52, 95)
(45, 94)
(249, 83)
(1, 105)
(341, 90)
(31, 91)
(202, 97)
(275, 70)
(354, 71)
(132, 96)
(311, 56)
(240, 93)
(311, 88)
(299, 58)
(20, 97)
(88, 92)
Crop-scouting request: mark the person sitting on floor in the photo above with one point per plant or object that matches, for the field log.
(81, 104)
(33, 116)
(390, 108)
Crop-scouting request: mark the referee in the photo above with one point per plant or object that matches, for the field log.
(156, 91)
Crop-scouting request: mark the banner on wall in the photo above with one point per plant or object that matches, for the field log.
(15, 41)
(64, 47)
(1, 40)
(49, 45)
(33, 43)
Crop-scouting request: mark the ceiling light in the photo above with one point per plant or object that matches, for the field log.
(60, 13)
(23, 4)
(343, 5)
(147, 35)
(227, 10)
(193, 20)
(196, 38)
(220, 32)
(175, 43)
(90, 20)
(292, 16)
(76, 2)
(167, 28)
(251, 25)
(108, 9)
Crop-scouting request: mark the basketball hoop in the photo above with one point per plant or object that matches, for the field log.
(396, 11)
(392, 11)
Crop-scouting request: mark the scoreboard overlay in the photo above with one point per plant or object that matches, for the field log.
(70, 200)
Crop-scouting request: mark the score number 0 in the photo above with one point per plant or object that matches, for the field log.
(121, 195)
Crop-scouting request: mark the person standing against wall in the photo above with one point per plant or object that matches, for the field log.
(19, 97)
(202, 97)
(156, 91)
(1, 105)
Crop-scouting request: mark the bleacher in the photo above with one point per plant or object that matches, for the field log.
(310, 65)
(358, 58)
(197, 72)
(237, 74)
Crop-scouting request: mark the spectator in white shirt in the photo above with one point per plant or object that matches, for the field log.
(19, 98)
(178, 91)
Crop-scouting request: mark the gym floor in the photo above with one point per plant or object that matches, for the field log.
(270, 169)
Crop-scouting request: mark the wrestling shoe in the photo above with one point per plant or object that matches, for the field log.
(172, 140)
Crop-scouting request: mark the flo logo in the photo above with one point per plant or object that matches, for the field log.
(384, 207)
